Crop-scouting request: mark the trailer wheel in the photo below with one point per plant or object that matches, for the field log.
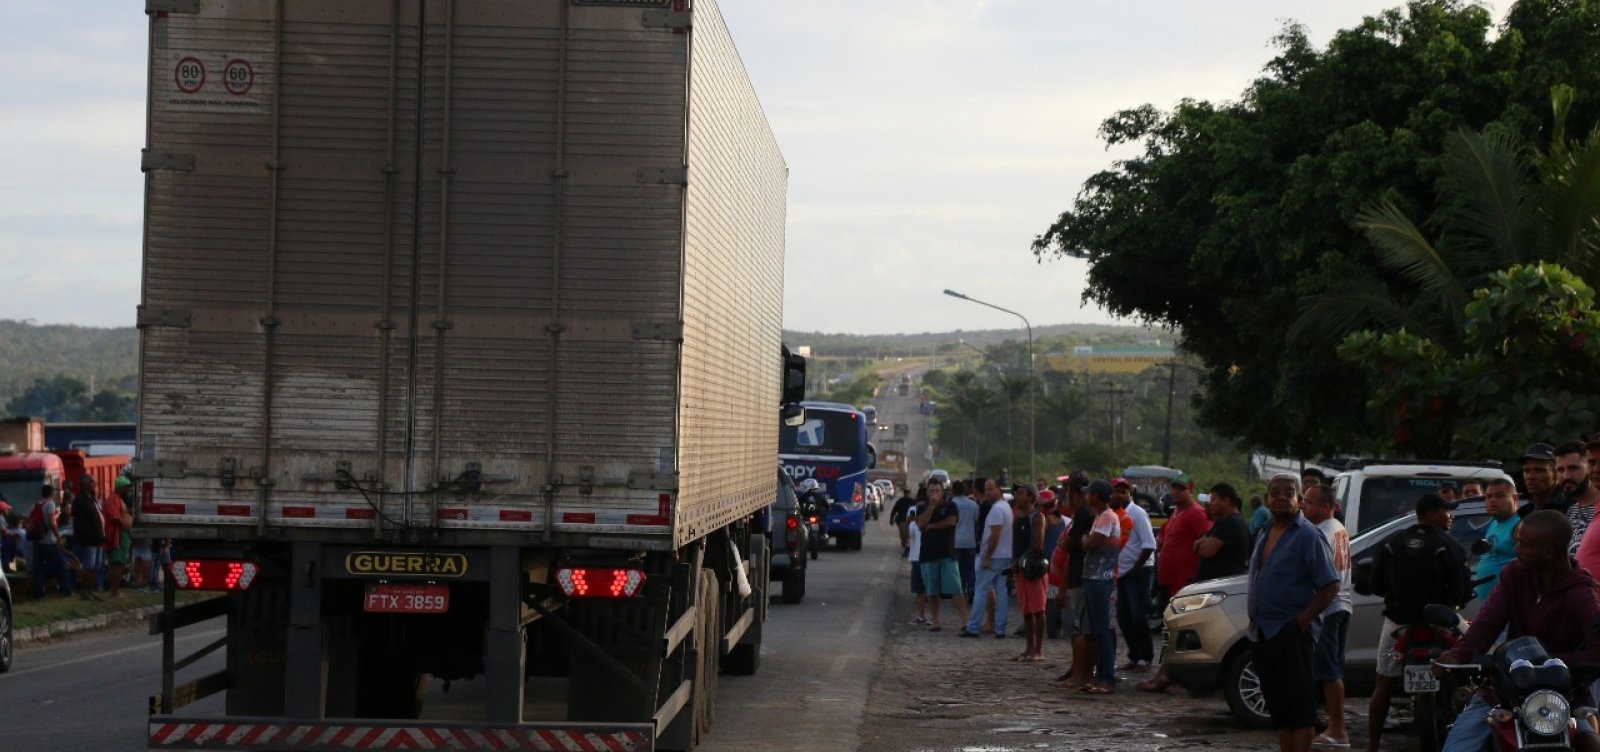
(794, 585)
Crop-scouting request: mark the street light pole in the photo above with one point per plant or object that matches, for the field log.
(1033, 413)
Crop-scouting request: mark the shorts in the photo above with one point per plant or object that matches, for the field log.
(941, 577)
(1327, 659)
(90, 558)
(917, 587)
(1031, 594)
(1387, 665)
(1074, 614)
(122, 553)
(1283, 663)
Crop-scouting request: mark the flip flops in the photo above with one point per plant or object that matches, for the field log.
(1327, 741)
(1095, 689)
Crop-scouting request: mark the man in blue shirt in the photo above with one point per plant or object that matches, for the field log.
(1292, 580)
(1500, 499)
(966, 534)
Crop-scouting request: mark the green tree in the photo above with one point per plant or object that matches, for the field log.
(1524, 370)
(1232, 217)
(56, 399)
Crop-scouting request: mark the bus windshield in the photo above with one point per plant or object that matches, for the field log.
(825, 433)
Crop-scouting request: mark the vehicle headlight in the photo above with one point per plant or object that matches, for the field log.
(1183, 604)
(1546, 713)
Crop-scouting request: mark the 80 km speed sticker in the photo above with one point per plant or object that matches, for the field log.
(218, 81)
(189, 75)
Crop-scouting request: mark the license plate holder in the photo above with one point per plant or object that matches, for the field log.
(1420, 680)
(386, 598)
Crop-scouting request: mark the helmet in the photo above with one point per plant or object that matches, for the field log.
(123, 481)
(808, 485)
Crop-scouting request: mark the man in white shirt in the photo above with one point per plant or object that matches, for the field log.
(1327, 659)
(994, 559)
(1133, 579)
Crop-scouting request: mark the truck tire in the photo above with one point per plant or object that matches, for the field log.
(709, 638)
(1242, 688)
(794, 585)
(5, 636)
(745, 658)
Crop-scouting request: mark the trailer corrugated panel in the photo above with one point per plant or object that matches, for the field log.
(393, 249)
(732, 289)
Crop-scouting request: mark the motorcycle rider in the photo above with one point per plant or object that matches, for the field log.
(814, 501)
(1539, 594)
(1413, 568)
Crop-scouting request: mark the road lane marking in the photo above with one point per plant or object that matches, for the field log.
(107, 654)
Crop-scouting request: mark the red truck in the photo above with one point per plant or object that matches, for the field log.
(22, 473)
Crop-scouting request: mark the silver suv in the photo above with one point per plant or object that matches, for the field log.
(1206, 623)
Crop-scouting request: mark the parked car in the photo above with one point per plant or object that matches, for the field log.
(788, 545)
(886, 487)
(1206, 623)
(1372, 492)
(874, 496)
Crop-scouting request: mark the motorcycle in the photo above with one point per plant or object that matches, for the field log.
(1540, 702)
(1434, 702)
(814, 507)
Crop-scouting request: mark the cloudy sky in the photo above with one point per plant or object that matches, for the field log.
(928, 141)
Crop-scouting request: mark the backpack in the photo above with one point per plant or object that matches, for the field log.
(34, 528)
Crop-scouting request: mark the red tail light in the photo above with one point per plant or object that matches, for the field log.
(213, 574)
(792, 532)
(793, 522)
(600, 582)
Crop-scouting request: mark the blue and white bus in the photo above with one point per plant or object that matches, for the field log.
(831, 446)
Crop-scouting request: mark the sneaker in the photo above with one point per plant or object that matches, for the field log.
(965, 633)
(919, 621)
(999, 635)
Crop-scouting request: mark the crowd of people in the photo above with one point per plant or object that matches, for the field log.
(78, 542)
(1077, 555)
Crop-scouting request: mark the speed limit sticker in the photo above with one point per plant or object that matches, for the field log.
(212, 81)
(238, 76)
(190, 75)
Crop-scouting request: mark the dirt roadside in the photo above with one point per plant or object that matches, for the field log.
(935, 692)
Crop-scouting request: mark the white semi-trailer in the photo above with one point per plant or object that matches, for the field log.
(460, 360)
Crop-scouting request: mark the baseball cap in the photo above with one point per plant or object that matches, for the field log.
(1430, 502)
(1078, 479)
(1120, 482)
(1101, 489)
(123, 481)
(1541, 451)
(1047, 495)
(1181, 479)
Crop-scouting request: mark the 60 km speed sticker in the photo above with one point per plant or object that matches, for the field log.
(218, 81)
(238, 77)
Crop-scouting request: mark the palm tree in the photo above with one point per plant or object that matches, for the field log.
(1509, 205)
(971, 400)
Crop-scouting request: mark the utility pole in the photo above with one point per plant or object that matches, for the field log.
(1172, 386)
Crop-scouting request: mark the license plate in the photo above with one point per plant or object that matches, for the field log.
(407, 599)
(1420, 679)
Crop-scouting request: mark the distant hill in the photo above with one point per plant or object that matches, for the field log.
(106, 358)
(1055, 338)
